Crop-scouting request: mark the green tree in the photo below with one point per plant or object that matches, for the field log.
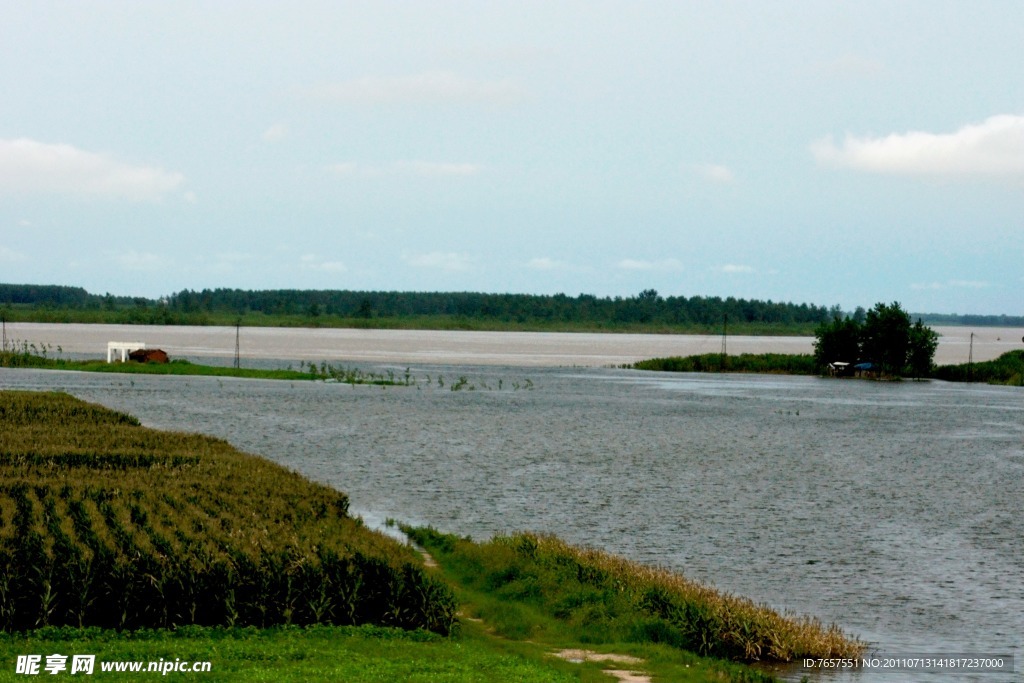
(923, 342)
(885, 337)
(837, 341)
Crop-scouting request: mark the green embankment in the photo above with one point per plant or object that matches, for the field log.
(1008, 369)
(31, 357)
(776, 363)
(591, 596)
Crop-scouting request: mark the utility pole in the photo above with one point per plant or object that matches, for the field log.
(238, 326)
(970, 360)
(725, 333)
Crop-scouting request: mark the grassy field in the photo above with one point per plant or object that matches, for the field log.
(30, 357)
(591, 596)
(770, 363)
(136, 545)
(1008, 369)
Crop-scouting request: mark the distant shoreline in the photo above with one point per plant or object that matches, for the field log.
(440, 347)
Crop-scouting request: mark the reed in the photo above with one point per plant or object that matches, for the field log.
(106, 523)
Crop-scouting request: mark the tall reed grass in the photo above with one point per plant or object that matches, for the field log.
(604, 595)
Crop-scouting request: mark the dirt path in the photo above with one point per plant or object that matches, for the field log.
(624, 675)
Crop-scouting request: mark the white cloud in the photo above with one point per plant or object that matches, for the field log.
(439, 260)
(670, 264)
(276, 133)
(8, 255)
(431, 87)
(715, 173)
(548, 264)
(345, 168)
(421, 169)
(139, 260)
(736, 268)
(31, 167)
(951, 284)
(994, 147)
(314, 262)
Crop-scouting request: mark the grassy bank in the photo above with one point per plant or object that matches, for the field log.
(1008, 369)
(590, 596)
(358, 654)
(769, 363)
(30, 357)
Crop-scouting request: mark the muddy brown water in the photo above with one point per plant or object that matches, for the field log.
(892, 509)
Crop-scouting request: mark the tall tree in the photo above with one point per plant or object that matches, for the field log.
(838, 341)
(885, 337)
(923, 342)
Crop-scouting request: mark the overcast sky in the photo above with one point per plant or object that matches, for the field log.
(822, 152)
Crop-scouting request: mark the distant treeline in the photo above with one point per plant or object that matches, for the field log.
(648, 310)
(972, 320)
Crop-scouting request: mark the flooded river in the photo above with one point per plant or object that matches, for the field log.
(892, 509)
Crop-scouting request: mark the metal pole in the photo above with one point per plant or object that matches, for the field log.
(238, 325)
(725, 333)
(970, 360)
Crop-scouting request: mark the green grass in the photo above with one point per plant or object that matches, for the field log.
(768, 363)
(1008, 369)
(286, 654)
(531, 586)
(33, 358)
(361, 654)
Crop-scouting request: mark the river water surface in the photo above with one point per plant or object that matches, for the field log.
(892, 509)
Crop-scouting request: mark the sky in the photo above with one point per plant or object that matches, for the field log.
(834, 153)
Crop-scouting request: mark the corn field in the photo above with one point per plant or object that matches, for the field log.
(107, 523)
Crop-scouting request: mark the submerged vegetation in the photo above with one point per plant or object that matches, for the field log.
(106, 523)
(25, 355)
(1008, 369)
(770, 363)
(596, 597)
